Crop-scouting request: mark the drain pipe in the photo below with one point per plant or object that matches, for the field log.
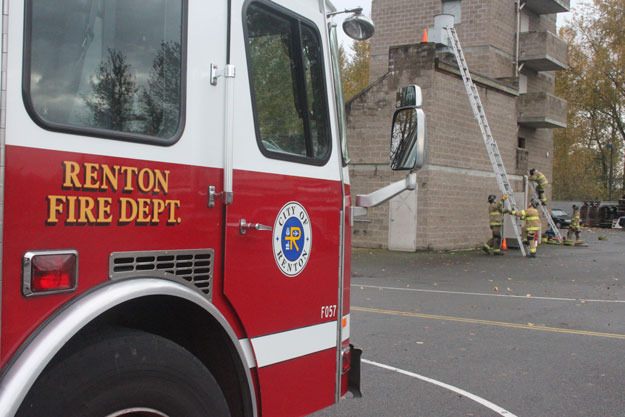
(517, 68)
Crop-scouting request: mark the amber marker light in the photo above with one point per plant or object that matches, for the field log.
(49, 272)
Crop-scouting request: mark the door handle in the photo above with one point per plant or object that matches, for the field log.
(245, 226)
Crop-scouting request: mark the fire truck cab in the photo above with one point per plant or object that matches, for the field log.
(175, 208)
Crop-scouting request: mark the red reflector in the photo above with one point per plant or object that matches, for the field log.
(52, 272)
(347, 360)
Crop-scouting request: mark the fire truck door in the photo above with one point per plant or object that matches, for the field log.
(283, 225)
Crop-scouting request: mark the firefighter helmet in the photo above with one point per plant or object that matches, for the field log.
(532, 171)
(535, 203)
(492, 198)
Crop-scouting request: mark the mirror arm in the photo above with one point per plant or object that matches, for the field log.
(365, 201)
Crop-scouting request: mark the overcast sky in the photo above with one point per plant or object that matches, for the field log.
(366, 5)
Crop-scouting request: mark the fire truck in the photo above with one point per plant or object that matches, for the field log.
(176, 209)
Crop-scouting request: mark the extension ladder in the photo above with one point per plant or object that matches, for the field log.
(491, 146)
(546, 214)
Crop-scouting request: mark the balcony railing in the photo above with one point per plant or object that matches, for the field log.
(548, 6)
(543, 51)
(541, 110)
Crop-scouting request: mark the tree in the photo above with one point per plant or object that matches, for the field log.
(355, 70)
(160, 101)
(587, 153)
(113, 93)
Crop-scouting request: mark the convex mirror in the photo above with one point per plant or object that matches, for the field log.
(359, 27)
(408, 132)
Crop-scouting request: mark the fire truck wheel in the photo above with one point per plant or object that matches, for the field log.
(126, 373)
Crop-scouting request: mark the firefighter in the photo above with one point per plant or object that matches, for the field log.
(532, 225)
(541, 184)
(574, 229)
(496, 210)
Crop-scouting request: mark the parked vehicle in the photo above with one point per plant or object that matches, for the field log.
(561, 218)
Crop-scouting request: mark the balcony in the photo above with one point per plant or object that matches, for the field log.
(541, 111)
(548, 6)
(543, 51)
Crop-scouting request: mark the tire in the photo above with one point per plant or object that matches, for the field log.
(126, 373)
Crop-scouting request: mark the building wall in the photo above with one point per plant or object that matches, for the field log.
(487, 31)
(454, 185)
(398, 22)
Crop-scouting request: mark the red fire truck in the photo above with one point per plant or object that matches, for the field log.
(176, 208)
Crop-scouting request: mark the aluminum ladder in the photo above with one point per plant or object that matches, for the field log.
(546, 214)
(491, 146)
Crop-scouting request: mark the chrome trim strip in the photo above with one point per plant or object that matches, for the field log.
(3, 120)
(341, 301)
(27, 367)
(246, 345)
(340, 154)
(27, 263)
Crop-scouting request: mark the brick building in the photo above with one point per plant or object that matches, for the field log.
(449, 209)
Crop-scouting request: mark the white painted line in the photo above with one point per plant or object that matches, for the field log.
(531, 297)
(479, 400)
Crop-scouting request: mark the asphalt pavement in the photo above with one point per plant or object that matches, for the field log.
(467, 334)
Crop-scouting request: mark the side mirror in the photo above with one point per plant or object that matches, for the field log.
(408, 139)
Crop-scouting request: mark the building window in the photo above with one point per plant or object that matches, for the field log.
(288, 85)
(106, 68)
(453, 7)
(521, 143)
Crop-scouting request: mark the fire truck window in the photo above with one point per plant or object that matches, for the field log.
(315, 90)
(108, 68)
(287, 78)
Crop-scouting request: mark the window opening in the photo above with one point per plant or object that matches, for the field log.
(521, 143)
